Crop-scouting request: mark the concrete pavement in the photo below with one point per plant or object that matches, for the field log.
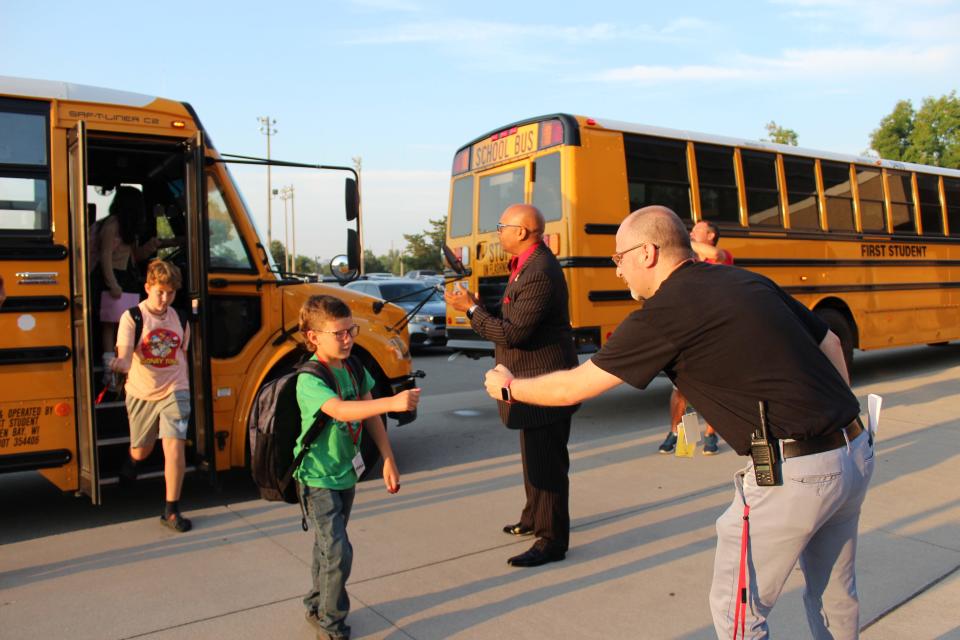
(430, 561)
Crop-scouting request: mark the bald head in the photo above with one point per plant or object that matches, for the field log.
(660, 226)
(526, 216)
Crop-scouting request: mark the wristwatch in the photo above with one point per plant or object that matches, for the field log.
(470, 312)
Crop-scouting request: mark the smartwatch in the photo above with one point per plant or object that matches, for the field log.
(470, 312)
(505, 393)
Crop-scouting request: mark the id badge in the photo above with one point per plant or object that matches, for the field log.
(358, 465)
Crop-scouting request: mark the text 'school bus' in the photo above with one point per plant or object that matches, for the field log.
(63, 146)
(872, 246)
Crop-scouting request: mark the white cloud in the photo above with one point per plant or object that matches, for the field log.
(795, 64)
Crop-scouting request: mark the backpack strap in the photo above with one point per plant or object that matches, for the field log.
(137, 316)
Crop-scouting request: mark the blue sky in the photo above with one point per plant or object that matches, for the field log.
(403, 83)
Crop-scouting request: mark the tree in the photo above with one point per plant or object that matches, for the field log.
(929, 135)
(373, 263)
(778, 134)
(424, 250)
(279, 254)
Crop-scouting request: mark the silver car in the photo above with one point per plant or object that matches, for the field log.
(428, 327)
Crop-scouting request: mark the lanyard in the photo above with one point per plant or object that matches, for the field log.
(355, 428)
(740, 614)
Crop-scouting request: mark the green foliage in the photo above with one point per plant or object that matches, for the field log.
(424, 249)
(929, 135)
(279, 253)
(780, 135)
(372, 263)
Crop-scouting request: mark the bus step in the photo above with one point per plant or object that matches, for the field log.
(113, 404)
(106, 442)
(108, 480)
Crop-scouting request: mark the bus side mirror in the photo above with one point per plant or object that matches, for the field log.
(352, 199)
(453, 261)
(341, 270)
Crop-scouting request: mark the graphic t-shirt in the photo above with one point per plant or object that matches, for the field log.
(329, 464)
(159, 364)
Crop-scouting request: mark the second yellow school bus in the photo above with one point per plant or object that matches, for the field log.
(871, 245)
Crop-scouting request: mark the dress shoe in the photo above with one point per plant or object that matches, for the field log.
(537, 555)
(518, 530)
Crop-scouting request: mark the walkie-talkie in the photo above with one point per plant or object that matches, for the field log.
(763, 454)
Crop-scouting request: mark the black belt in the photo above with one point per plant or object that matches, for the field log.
(835, 440)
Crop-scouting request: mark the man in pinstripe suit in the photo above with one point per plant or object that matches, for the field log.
(532, 336)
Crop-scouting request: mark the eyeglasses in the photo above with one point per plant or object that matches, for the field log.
(353, 331)
(501, 226)
(618, 257)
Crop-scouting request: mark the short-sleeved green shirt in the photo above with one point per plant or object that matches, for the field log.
(329, 463)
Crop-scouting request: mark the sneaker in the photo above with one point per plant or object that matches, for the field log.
(176, 522)
(710, 445)
(669, 444)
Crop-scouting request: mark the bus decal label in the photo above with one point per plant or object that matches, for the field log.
(878, 250)
(20, 427)
(506, 146)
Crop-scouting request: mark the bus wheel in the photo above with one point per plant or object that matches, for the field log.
(381, 388)
(841, 327)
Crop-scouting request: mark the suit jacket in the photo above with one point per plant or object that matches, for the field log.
(531, 333)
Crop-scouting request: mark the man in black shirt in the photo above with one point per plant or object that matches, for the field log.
(729, 338)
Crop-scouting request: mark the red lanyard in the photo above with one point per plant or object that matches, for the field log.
(740, 614)
(354, 432)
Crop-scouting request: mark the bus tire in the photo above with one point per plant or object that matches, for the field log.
(840, 326)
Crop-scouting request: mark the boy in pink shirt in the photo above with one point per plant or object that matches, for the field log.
(157, 387)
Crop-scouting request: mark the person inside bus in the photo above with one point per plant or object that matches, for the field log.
(116, 271)
(748, 354)
(158, 385)
(703, 238)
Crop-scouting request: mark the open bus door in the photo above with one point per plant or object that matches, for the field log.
(80, 320)
(196, 288)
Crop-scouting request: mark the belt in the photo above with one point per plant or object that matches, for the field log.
(835, 440)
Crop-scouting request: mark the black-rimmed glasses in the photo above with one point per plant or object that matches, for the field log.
(353, 331)
(618, 257)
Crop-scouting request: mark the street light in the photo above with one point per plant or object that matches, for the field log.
(267, 128)
(286, 193)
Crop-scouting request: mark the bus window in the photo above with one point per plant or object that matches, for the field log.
(227, 250)
(461, 210)
(718, 184)
(760, 182)
(657, 173)
(930, 213)
(800, 175)
(546, 187)
(24, 175)
(902, 212)
(839, 197)
(951, 191)
(497, 192)
(870, 188)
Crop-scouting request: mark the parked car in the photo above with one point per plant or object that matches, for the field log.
(428, 327)
(418, 274)
(378, 275)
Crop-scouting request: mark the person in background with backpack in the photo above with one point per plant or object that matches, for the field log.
(158, 386)
(329, 471)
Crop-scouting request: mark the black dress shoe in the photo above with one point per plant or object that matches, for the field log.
(517, 530)
(537, 555)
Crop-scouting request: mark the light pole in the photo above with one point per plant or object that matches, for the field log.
(358, 165)
(286, 193)
(267, 128)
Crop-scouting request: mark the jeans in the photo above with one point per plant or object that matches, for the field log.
(328, 511)
(812, 519)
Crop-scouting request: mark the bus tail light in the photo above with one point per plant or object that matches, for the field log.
(551, 133)
(552, 240)
(461, 161)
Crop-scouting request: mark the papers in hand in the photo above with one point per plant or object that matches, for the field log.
(874, 402)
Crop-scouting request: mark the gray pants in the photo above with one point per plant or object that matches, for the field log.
(812, 518)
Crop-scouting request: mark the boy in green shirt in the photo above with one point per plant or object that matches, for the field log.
(330, 469)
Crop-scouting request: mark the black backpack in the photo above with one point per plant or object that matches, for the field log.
(274, 426)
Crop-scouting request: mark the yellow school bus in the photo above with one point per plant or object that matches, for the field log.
(63, 149)
(871, 245)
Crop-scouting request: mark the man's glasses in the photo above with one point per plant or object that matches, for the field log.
(343, 333)
(501, 226)
(618, 257)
